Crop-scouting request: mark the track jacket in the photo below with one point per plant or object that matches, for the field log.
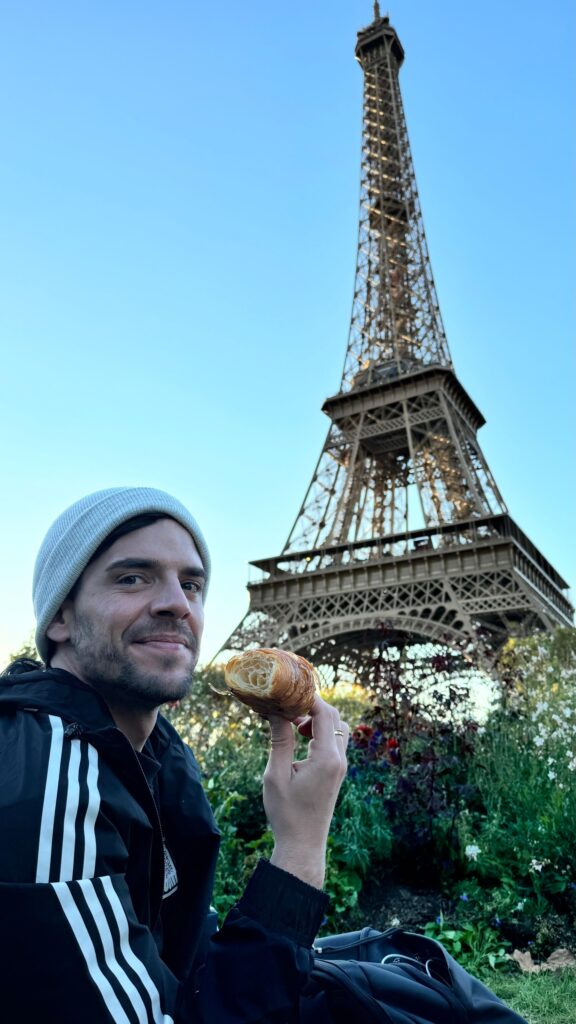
(107, 861)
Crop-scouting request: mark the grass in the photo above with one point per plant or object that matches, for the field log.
(548, 998)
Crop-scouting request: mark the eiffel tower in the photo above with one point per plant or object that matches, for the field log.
(403, 532)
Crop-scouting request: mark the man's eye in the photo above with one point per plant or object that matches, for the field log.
(194, 586)
(130, 579)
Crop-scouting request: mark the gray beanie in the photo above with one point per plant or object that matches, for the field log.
(79, 531)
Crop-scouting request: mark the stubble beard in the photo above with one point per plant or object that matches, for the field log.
(121, 682)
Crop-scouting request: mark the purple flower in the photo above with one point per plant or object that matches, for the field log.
(464, 896)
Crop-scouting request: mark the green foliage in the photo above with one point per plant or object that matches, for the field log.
(413, 749)
(343, 884)
(361, 833)
(520, 844)
(231, 746)
(360, 839)
(476, 947)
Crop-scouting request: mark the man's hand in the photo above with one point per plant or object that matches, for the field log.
(299, 796)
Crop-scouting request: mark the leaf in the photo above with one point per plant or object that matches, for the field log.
(560, 959)
(557, 961)
(525, 962)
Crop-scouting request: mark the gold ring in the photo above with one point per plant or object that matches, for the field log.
(338, 732)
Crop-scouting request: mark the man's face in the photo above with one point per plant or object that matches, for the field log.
(133, 628)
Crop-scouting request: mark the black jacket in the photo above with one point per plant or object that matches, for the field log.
(107, 861)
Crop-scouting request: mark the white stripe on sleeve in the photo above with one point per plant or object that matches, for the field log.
(70, 812)
(118, 910)
(114, 967)
(94, 903)
(81, 934)
(92, 809)
(50, 797)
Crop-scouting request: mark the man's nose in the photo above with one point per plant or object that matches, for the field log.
(170, 599)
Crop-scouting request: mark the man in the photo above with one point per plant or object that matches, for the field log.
(108, 843)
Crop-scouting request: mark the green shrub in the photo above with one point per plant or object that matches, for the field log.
(475, 947)
(360, 840)
(520, 846)
(413, 750)
(233, 769)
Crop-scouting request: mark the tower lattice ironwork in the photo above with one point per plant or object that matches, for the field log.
(403, 529)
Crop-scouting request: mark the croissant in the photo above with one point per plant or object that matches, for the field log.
(273, 682)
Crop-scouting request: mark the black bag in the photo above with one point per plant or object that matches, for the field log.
(396, 977)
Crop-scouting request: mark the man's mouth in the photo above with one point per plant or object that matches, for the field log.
(164, 642)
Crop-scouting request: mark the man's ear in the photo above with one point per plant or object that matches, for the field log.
(59, 629)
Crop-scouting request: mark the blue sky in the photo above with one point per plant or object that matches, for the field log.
(179, 191)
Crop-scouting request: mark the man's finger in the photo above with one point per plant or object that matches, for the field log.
(342, 733)
(282, 744)
(341, 730)
(304, 726)
(325, 721)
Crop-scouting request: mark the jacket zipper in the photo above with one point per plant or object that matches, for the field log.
(158, 823)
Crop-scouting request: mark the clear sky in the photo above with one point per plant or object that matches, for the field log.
(179, 191)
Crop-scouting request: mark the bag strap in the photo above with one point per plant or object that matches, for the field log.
(348, 943)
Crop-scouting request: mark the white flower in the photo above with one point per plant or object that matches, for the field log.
(472, 851)
(551, 775)
(394, 922)
(536, 865)
(520, 905)
(539, 741)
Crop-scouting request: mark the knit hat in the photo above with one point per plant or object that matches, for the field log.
(77, 534)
